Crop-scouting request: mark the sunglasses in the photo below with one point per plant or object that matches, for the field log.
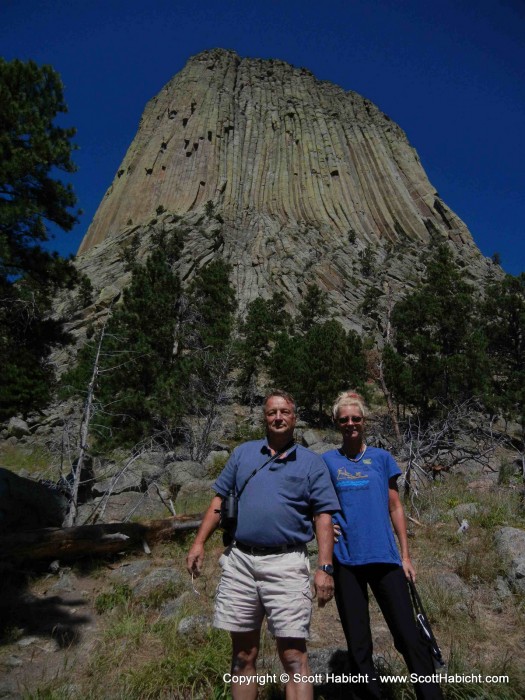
(345, 419)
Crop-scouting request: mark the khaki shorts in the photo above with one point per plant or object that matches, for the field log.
(275, 585)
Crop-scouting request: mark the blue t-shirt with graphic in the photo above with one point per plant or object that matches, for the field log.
(362, 488)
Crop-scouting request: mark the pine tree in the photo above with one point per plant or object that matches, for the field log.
(33, 149)
(316, 365)
(313, 308)
(265, 320)
(143, 374)
(504, 317)
(441, 349)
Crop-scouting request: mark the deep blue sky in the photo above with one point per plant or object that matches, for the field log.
(451, 73)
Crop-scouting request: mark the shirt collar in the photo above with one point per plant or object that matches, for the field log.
(289, 454)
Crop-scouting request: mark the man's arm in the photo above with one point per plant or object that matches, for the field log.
(323, 582)
(208, 526)
(397, 516)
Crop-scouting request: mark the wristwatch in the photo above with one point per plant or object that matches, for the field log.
(327, 568)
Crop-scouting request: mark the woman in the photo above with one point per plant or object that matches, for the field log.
(365, 479)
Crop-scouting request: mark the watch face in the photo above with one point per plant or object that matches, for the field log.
(327, 568)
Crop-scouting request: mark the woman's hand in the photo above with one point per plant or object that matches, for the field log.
(409, 570)
(337, 532)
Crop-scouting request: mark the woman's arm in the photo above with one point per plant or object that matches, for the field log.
(397, 516)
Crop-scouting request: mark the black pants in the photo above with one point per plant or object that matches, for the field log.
(389, 586)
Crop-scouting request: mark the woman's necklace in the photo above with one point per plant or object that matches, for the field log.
(356, 459)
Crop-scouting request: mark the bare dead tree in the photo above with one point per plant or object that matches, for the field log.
(212, 390)
(463, 434)
(71, 516)
(387, 335)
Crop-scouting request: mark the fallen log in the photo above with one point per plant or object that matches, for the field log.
(84, 540)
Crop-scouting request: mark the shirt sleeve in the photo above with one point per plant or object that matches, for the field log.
(227, 478)
(322, 493)
(392, 468)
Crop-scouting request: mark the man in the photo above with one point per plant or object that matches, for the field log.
(266, 570)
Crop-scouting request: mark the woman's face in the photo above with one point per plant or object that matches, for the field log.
(350, 422)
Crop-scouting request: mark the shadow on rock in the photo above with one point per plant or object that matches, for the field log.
(51, 616)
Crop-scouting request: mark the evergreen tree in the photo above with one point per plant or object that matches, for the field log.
(441, 354)
(317, 365)
(265, 320)
(165, 353)
(504, 316)
(313, 308)
(143, 374)
(208, 330)
(32, 150)
(213, 302)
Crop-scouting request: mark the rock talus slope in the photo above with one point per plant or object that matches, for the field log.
(303, 176)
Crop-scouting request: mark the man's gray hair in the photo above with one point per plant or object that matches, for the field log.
(284, 395)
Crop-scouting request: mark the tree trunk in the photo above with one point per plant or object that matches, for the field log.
(85, 540)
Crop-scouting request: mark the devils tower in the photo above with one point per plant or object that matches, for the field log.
(304, 180)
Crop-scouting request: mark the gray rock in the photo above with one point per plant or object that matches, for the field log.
(27, 641)
(323, 660)
(171, 608)
(510, 543)
(107, 296)
(465, 510)
(124, 505)
(129, 480)
(193, 624)
(502, 588)
(65, 584)
(194, 496)
(18, 427)
(13, 661)
(310, 437)
(321, 447)
(215, 455)
(179, 473)
(130, 572)
(157, 582)
(451, 582)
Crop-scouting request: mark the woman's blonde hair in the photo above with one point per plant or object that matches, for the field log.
(348, 398)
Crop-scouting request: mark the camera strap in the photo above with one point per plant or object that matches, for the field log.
(268, 461)
(424, 627)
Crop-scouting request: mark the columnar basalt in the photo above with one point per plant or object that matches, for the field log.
(303, 177)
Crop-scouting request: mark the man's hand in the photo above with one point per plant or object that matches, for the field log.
(209, 523)
(324, 587)
(195, 559)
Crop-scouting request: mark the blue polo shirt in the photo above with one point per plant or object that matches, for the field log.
(362, 487)
(277, 505)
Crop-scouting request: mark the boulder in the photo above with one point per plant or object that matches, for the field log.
(18, 428)
(194, 624)
(27, 505)
(126, 505)
(179, 473)
(465, 510)
(157, 582)
(194, 496)
(128, 572)
(215, 455)
(310, 437)
(127, 481)
(510, 543)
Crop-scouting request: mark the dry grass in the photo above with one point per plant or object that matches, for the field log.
(136, 654)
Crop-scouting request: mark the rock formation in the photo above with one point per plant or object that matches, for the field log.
(291, 179)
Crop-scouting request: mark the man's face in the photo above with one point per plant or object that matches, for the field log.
(279, 418)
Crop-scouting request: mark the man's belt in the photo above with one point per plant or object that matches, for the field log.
(261, 551)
